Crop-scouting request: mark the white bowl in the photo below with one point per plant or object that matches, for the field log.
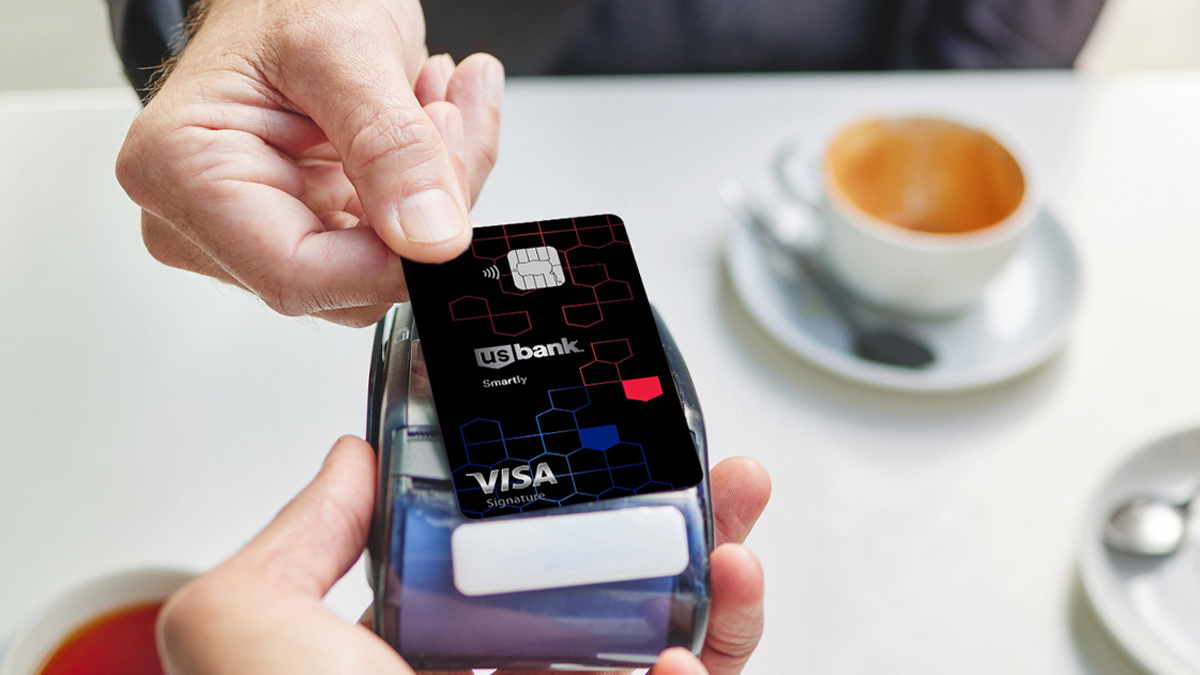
(37, 639)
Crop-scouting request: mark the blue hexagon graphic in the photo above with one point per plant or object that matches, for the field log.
(599, 438)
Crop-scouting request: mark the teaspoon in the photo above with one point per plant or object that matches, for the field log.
(880, 344)
(1148, 525)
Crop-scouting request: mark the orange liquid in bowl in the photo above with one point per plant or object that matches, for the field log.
(117, 643)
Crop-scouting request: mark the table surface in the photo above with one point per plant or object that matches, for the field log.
(150, 416)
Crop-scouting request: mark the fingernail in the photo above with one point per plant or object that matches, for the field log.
(493, 82)
(431, 216)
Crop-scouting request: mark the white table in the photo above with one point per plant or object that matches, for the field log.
(153, 416)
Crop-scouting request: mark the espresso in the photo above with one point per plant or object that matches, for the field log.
(925, 174)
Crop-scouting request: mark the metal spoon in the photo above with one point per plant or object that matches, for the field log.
(1148, 525)
(880, 344)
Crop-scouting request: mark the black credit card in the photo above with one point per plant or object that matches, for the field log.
(547, 369)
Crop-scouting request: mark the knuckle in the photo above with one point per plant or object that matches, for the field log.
(731, 525)
(127, 169)
(387, 138)
(318, 32)
(132, 159)
(156, 148)
(736, 640)
(306, 32)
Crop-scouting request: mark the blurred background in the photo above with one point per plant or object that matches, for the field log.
(65, 44)
(53, 44)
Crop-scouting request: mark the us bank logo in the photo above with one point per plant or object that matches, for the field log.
(505, 355)
(494, 357)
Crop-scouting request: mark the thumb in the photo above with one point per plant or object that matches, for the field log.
(320, 534)
(391, 151)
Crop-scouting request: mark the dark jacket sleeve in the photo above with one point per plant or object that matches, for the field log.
(145, 33)
(617, 36)
(994, 33)
(646, 36)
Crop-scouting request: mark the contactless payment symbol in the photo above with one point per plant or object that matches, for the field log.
(537, 267)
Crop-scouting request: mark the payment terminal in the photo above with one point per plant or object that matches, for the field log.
(534, 509)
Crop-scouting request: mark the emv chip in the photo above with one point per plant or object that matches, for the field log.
(537, 267)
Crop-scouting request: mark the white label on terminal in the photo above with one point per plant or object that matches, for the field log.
(577, 549)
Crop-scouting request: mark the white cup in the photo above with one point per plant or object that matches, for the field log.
(37, 640)
(924, 274)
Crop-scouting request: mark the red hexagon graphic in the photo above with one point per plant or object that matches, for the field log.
(642, 389)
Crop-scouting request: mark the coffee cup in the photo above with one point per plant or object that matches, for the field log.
(35, 642)
(913, 214)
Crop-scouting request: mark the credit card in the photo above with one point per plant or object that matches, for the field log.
(547, 369)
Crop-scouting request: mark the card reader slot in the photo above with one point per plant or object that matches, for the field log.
(422, 455)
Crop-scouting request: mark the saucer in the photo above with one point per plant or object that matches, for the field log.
(1151, 606)
(1022, 319)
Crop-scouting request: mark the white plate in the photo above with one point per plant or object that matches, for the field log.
(1150, 605)
(1022, 319)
